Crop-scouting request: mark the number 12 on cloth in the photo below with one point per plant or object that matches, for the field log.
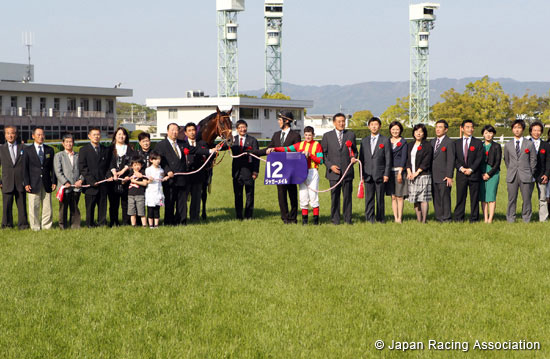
(285, 168)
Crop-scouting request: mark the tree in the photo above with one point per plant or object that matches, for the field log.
(545, 117)
(276, 96)
(483, 102)
(398, 112)
(360, 118)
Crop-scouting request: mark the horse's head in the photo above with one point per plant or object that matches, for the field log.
(224, 126)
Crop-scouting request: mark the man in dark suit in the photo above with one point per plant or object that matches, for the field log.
(198, 153)
(244, 170)
(39, 180)
(172, 151)
(93, 162)
(542, 170)
(338, 156)
(11, 161)
(284, 138)
(468, 157)
(443, 164)
(375, 156)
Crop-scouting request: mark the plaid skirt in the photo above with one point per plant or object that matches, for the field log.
(420, 190)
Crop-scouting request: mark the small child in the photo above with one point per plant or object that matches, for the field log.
(154, 197)
(314, 155)
(136, 192)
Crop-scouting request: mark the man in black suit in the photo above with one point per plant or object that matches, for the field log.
(11, 161)
(542, 170)
(443, 164)
(244, 170)
(93, 161)
(468, 157)
(39, 180)
(198, 153)
(338, 156)
(173, 152)
(376, 157)
(284, 138)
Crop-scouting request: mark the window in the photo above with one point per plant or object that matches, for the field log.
(110, 106)
(1, 105)
(97, 105)
(28, 103)
(266, 113)
(172, 113)
(42, 106)
(13, 105)
(56, 105)
(85, 104)
(71, 104)
(246, 113)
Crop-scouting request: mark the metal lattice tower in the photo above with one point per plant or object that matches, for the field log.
(273, 50)
(422, 20)
(228, 65)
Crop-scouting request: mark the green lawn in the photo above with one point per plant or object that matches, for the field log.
(258, 289)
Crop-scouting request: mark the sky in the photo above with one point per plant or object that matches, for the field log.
(163, 48)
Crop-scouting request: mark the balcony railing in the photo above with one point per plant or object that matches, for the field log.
(23, 112)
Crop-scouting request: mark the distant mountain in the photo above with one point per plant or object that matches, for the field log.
(377, 96)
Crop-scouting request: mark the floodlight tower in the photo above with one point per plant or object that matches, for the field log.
(273, 51)
(228, 65)
(422, 20)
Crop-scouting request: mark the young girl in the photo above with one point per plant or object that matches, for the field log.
(154, 198)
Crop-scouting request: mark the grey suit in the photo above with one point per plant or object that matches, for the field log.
(67, 172)
(336, 155)
(12, 187)
(520, 175)
(443, 162)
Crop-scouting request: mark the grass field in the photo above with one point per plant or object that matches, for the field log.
(258, 289)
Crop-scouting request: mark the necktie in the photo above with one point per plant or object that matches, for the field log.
(175, 149)
(41, 154)
(517, 148)
(437, 144)
(282, 138)
(12, 153)
(339, 138)
(96, 149)
(465, 151)
(242, 144)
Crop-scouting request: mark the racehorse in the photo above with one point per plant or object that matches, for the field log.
(217, 124)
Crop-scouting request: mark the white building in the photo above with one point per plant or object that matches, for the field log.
(260, 114)
(56, 108)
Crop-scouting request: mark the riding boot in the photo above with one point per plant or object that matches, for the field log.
(316, 220)
(304, 220)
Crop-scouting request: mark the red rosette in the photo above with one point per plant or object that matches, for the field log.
(419, 148)
(186, 151)
(348, 143)
(472, 148)
(249, 148)
(350, 151)
(527, 150)
(381, 145)
(487, 153)
(443, 149)
(399, 144)
(543, 151)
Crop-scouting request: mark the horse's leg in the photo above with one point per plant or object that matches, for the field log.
(204, 198)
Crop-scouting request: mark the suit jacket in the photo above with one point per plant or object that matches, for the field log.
(38, 174)
(12, 174)
(522, 166)
(292, 138)
(195, 159)
(475, 156)
(338, 155)
(443, 159)
(494, 158)
(119, 162)
(423, 157)
(400, 154)
(65, 171)
(93, 167)
(170, 161)
(543, 161)
(243, 167)
(378, 164)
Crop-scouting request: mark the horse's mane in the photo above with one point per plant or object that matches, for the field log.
(202, 124)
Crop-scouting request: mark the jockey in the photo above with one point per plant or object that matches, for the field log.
(314, 155)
